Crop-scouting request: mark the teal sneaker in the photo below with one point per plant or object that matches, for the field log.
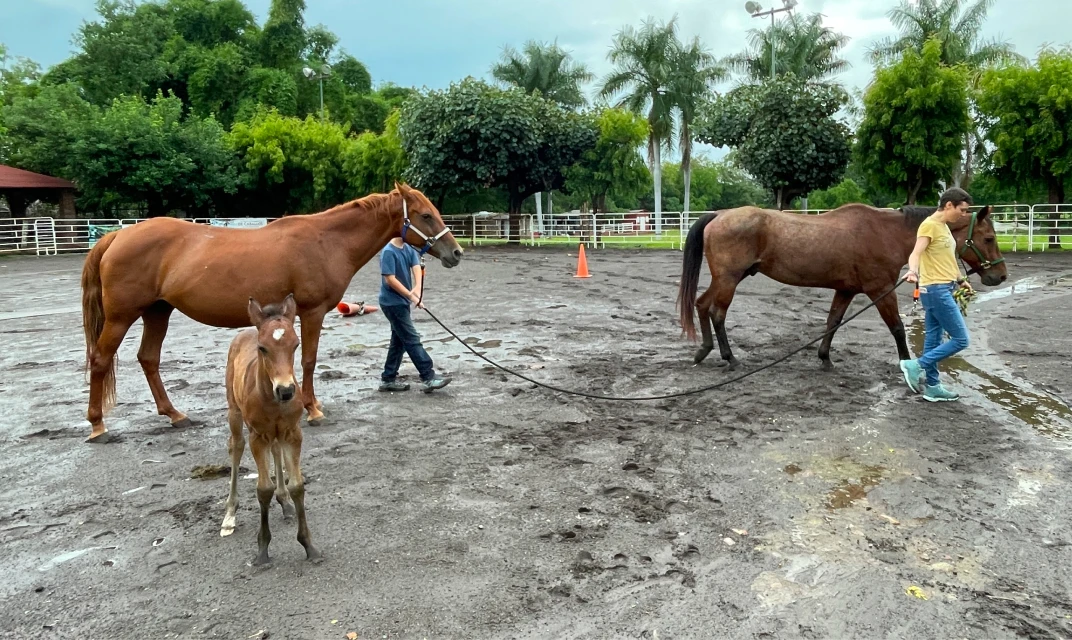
(394, 385)
(434, 383)
(913, 374)
(938, 393)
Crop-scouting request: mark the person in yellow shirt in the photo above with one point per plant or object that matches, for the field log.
(933, 264)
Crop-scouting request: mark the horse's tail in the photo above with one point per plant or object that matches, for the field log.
(93, 313)
(693, 254)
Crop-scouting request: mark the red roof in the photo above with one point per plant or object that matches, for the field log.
(12, 178)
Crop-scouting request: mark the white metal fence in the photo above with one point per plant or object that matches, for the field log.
(1040, 227)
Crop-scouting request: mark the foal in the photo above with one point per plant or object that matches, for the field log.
(262, 392)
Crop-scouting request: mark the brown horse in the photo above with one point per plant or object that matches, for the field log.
(262, 393)
(152, 268)
(853, 249)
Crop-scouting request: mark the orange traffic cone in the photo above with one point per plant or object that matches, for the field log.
(582, 265)
(348, 309)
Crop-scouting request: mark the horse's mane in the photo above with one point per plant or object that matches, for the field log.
(915, 215)
(368, 202)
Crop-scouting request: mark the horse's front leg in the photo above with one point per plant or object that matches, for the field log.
(310, 337)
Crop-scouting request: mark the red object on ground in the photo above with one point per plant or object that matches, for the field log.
(355, 308)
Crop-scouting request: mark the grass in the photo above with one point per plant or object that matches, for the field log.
(1019, 242)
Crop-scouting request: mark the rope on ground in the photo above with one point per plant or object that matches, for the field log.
(665, 396)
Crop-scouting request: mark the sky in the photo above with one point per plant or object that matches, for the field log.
(429, 43)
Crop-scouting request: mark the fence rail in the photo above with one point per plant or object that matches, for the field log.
(1021, 227)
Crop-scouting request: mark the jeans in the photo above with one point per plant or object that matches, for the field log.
(941, 315)
(404, 338)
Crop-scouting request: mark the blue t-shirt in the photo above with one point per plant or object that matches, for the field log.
(398, 263)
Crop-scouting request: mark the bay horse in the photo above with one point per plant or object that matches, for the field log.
(150, 269)
(262, 394)
(853, 249)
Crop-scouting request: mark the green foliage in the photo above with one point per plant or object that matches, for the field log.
(715, 186)
(271, 89)
(915, 118)
(353, 75)
(803, 47)
(375, 161)
(784, 132)
(544, 68)
(1029, 109)
(845, 192)
(614, 166)
(283, 39)
(474, 135)
(44, 130)
(289, 165)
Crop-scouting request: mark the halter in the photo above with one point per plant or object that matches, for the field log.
(407, 225)
(984, 264)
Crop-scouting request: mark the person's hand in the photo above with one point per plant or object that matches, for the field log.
(912, 277)
(964, 284)
(416, 299)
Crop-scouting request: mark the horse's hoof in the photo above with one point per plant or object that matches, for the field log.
(314, 556)
(106, 437)
(316, 421)
(733, 364)
(701, 353)
(261, 560)
(827, 365)
(184, 423)
(289, 512)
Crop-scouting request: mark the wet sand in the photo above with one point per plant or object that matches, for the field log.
(796, 503)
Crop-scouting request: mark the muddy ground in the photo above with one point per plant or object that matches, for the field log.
(794, 504)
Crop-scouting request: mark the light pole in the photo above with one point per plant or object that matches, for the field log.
(757, 11)
(325, 71)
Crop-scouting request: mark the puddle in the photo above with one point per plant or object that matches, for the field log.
(1026, 285)
(70, 555)
(792, 469)
(33, 313)
(846, 493)
(486, 344)
(1043, 412)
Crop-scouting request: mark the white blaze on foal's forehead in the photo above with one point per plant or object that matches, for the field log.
(278, 334)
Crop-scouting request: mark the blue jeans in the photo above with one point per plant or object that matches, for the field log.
(941, 315)
(404, 339)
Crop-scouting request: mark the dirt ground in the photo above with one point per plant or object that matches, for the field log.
(795, 504)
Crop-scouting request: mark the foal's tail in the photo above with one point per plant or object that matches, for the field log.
(693, 254)
(93, 313)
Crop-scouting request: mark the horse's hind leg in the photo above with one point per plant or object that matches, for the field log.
(724, 287)
(102, 376)
(281, 494)
(235, 446)
(703, 310)
(842, 300)
(292, 448)
(891, 315)
(155, 321)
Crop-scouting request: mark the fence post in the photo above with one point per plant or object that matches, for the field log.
(684, 230)
(532, 234)
(472, 221)
(1031, 229)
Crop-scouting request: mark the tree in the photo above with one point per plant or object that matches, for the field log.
(785, 134)
(375, 161)
(353, 74)
(845, 192)
(693, 75)
(544, 68)
(915, 117)
(643, 64)
(614, 166)
(43, 130)
(803, 47)
(1029, 112)
(957, 26)
(284, 38)
(474, 135)
(290, 165)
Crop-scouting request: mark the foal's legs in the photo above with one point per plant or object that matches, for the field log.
(259, 447)
(281, 494)
(292, 447)
(842, 300)
(100, 368)
(155, 321)
(887, 308)
(310, 341)
(236, 444)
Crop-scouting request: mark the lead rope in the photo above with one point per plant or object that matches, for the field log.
(666, 396)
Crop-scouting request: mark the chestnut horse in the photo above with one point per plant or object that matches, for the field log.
(152, 268)
(262, 394)
(853, 249)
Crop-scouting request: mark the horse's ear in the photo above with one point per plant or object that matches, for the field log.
(984, 212)
(256, 314)
(290, 307)
(401, 187)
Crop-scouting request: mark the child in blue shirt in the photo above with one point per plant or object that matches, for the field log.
(400, 286)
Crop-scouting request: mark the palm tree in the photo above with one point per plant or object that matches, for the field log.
(803, 47)
(545, 68)
(957, 24)
(643, 65)
(694, 73)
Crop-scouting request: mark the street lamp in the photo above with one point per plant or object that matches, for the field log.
(757, 11)
(325, 71)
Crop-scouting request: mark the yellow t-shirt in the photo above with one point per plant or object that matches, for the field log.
(938, 264)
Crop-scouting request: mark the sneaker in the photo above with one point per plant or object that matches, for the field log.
(434, 383)
(913, 374)
(394, 385)
(938, 393)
